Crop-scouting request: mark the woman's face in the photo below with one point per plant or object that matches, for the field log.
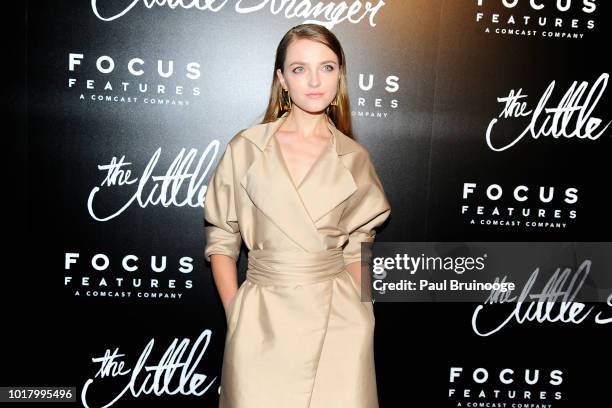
(310, 68)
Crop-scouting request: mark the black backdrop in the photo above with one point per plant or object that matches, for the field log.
(424, 79)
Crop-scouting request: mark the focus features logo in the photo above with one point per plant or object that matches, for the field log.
(136, 80)
(519, 206)
(519, 387)
(154, 277)
(561, 19)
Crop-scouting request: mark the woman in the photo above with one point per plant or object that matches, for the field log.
(302, 195)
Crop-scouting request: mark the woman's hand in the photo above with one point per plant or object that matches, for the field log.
(357, 270)
(226, 277)
(229, 302)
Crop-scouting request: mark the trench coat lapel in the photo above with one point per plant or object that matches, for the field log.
(327, 184)
(295, 210)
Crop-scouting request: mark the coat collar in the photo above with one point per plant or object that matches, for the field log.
(260, 135)
(296, 210)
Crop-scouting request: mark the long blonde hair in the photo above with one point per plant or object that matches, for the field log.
(339, 114)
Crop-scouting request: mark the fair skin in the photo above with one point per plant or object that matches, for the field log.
(225, 275)
(309, 67)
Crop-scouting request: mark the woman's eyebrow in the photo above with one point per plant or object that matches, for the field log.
(303, 63)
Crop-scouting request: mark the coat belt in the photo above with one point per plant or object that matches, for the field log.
(273, 267)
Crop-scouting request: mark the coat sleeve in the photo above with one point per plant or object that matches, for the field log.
(220, 220)
(366, 209)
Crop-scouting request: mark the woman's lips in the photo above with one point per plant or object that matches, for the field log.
(314, 95)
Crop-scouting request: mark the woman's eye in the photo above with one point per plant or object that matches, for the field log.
(331, 68)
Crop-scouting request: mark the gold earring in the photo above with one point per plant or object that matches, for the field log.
(334, 102)
(283, 105)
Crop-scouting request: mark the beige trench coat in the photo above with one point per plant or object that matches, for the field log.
(298, 334)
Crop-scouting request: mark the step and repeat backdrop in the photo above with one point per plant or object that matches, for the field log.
(487, 120)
